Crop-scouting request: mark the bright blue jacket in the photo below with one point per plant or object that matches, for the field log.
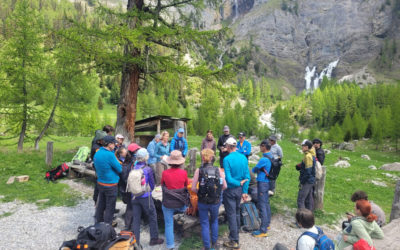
(108, 167)
(236, 169)
(263, 163)
(151, 148)
(161, 150)
(179, 143)
(245, 148)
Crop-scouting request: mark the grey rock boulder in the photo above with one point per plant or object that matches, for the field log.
(346, 146)
(372, 167)
(366, 157)
(342, 164)
(392, 236)
(391, 166)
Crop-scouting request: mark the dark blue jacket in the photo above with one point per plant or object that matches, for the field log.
(307, 174)
(179, 143)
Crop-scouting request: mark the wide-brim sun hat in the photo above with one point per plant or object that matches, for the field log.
(175, 158)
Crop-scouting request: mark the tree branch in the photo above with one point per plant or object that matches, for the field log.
(175, 3)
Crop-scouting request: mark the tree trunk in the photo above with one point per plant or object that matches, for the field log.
(49, 121)
(24, 112)
(126, 113)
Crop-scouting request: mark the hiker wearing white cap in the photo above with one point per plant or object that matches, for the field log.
(237, 177)
(223, 152)
(120, 139)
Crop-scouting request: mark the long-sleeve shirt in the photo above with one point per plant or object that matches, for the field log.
(196, 179)
(151, 148)
(236, 169)
(320, 155)
(360, 229)
(108, 167)
(244, 148)
(148, 175)
(211, 144)
(276, 151)
(161, 150)
(265, 163)
(307, 169)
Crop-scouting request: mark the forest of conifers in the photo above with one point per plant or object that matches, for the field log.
(59, 68)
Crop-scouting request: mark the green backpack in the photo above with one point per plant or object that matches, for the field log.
(82, 154)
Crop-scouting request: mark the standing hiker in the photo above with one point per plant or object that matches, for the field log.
(179, 142)
(223, 152)
(277, 153)
(243, 146)
(211, 183)
(162, 151)
(317, 144)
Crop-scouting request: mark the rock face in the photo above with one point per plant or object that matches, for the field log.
(312, 33)
(391, 166)
(392, 236)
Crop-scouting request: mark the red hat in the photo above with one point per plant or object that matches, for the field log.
(133, 147)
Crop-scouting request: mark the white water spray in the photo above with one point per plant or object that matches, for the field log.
(317, 78)
(236, 9)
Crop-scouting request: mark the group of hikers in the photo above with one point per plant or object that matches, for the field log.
(134, 172)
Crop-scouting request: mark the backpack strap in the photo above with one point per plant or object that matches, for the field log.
(270, 159)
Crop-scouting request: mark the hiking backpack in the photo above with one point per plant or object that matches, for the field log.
(249, 215)
(136, 183)
(362, 245)
(210, 185)
(276, 165)
(58, 172)
(322, 242)
(82, 154)
(95, 237)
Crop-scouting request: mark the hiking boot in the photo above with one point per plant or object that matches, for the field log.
(231, 244)
(259, 234)
(157, 241)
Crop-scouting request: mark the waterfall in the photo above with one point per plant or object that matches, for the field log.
(309, 76)
(317, 78)
(236, 9)
(221, 63)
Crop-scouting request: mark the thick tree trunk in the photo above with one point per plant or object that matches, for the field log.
(126, 113)
(50, 120)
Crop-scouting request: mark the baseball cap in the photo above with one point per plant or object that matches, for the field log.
(226, 128)
(119, 136)
(316, 140)
(109, 139)
(133, 147)
(272, 138)
(231, 141)
(306, 143)
(181, 130)
(241, 134)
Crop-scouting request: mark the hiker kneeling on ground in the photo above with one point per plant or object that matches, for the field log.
(142, 202)
(175, 194)
(211, 182)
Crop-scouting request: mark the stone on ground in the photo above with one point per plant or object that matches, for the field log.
(342, 164)
(373, 167)
(346, 146)
(366, 157)
(379, 183)
(391, 166)
(392, 236)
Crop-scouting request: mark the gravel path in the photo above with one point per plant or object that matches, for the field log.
(30, 228)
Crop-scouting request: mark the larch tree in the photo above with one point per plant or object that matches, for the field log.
(149, 43)
(23, 88)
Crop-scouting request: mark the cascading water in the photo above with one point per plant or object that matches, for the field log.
(315, 78)
(236, 9)
(308, 77)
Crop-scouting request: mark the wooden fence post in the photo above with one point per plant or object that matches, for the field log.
(192, 157)
(319, 191)
(49, 153)
(396, 203)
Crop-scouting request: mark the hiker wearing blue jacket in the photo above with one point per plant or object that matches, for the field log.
(243, 146)
(262, 168)
(179, 142)
(108, 169)
(151, 148)
(237, 177)
(144, 203)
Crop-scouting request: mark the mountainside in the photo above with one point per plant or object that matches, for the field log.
(360, 36)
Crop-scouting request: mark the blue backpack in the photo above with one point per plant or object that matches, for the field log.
(322, 242)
